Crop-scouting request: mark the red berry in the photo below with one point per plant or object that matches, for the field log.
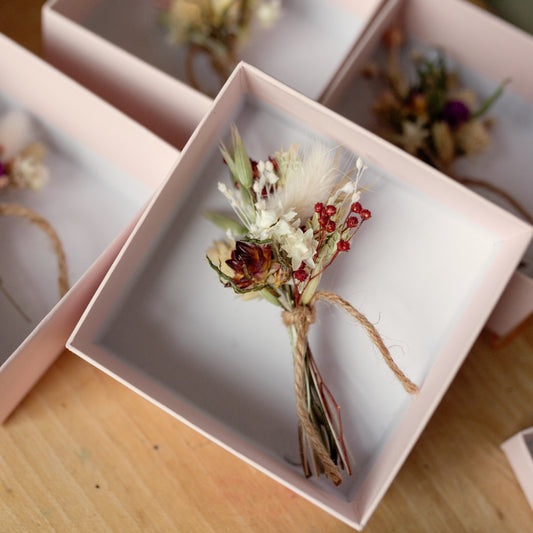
(352, 222)
(323, 220)
(330, 210)
(319, 207)
(343, 246)
(300, 275)
(330, 226)
(356, 208)
(366, 214)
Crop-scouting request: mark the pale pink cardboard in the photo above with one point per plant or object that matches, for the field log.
(514, 236)
(150, 96)
(486, 44)
(54, 98)
(165, 106)
(521, 458)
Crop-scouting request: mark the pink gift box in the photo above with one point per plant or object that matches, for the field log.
(519, 451)
(484, 51)
(119, 50)
(103, 169)
(428, 268)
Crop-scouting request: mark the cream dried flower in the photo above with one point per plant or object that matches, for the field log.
(413, 137)
(472, 137)
(27, 170)
(268, 12)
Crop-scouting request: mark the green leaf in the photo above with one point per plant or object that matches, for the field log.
(269, 297)
(488, 103)
(225, 223)
(229, 161)
(243, 166)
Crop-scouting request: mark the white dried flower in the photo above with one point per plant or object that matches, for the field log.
(299, 246)
(413, 136)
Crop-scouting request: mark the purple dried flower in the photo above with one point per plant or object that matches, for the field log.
(455, 113)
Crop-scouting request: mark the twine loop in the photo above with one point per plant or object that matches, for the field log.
(301, 318)
(46, 227)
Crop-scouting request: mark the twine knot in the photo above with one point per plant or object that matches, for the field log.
(302, 316)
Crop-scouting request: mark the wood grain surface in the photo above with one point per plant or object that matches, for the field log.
(83, 453)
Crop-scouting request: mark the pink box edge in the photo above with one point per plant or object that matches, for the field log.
(24, 367)
(516, 304)
(521, 461)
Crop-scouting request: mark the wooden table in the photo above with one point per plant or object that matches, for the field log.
(83, 453)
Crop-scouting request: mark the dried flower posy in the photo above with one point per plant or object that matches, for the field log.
(296, 214)
(22, 167)
(217, 28)
(434, 117)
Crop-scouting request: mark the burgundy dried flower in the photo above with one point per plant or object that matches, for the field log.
(455, 113)
(254, 266)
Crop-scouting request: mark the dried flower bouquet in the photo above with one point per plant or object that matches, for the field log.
(22, 167)
(216, 28)
(297, 212)
(431, 116)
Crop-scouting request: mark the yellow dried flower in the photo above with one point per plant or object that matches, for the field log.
(219, 253)
(472, 137)
(443, 141)
(184, 15)
(386, 101)
(36, 150)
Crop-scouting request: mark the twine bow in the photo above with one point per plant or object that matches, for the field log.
(301, 318)
(24, 212)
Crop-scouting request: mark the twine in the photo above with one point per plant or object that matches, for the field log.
(21, 211)
(302, 317)
(222, 69)
(473, 182)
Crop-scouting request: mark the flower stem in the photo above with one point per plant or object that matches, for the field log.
(13, 302)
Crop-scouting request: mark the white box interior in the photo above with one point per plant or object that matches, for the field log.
(508, 161)
(304, 48)
(231, 358)
(164, 325)
(88, 201)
